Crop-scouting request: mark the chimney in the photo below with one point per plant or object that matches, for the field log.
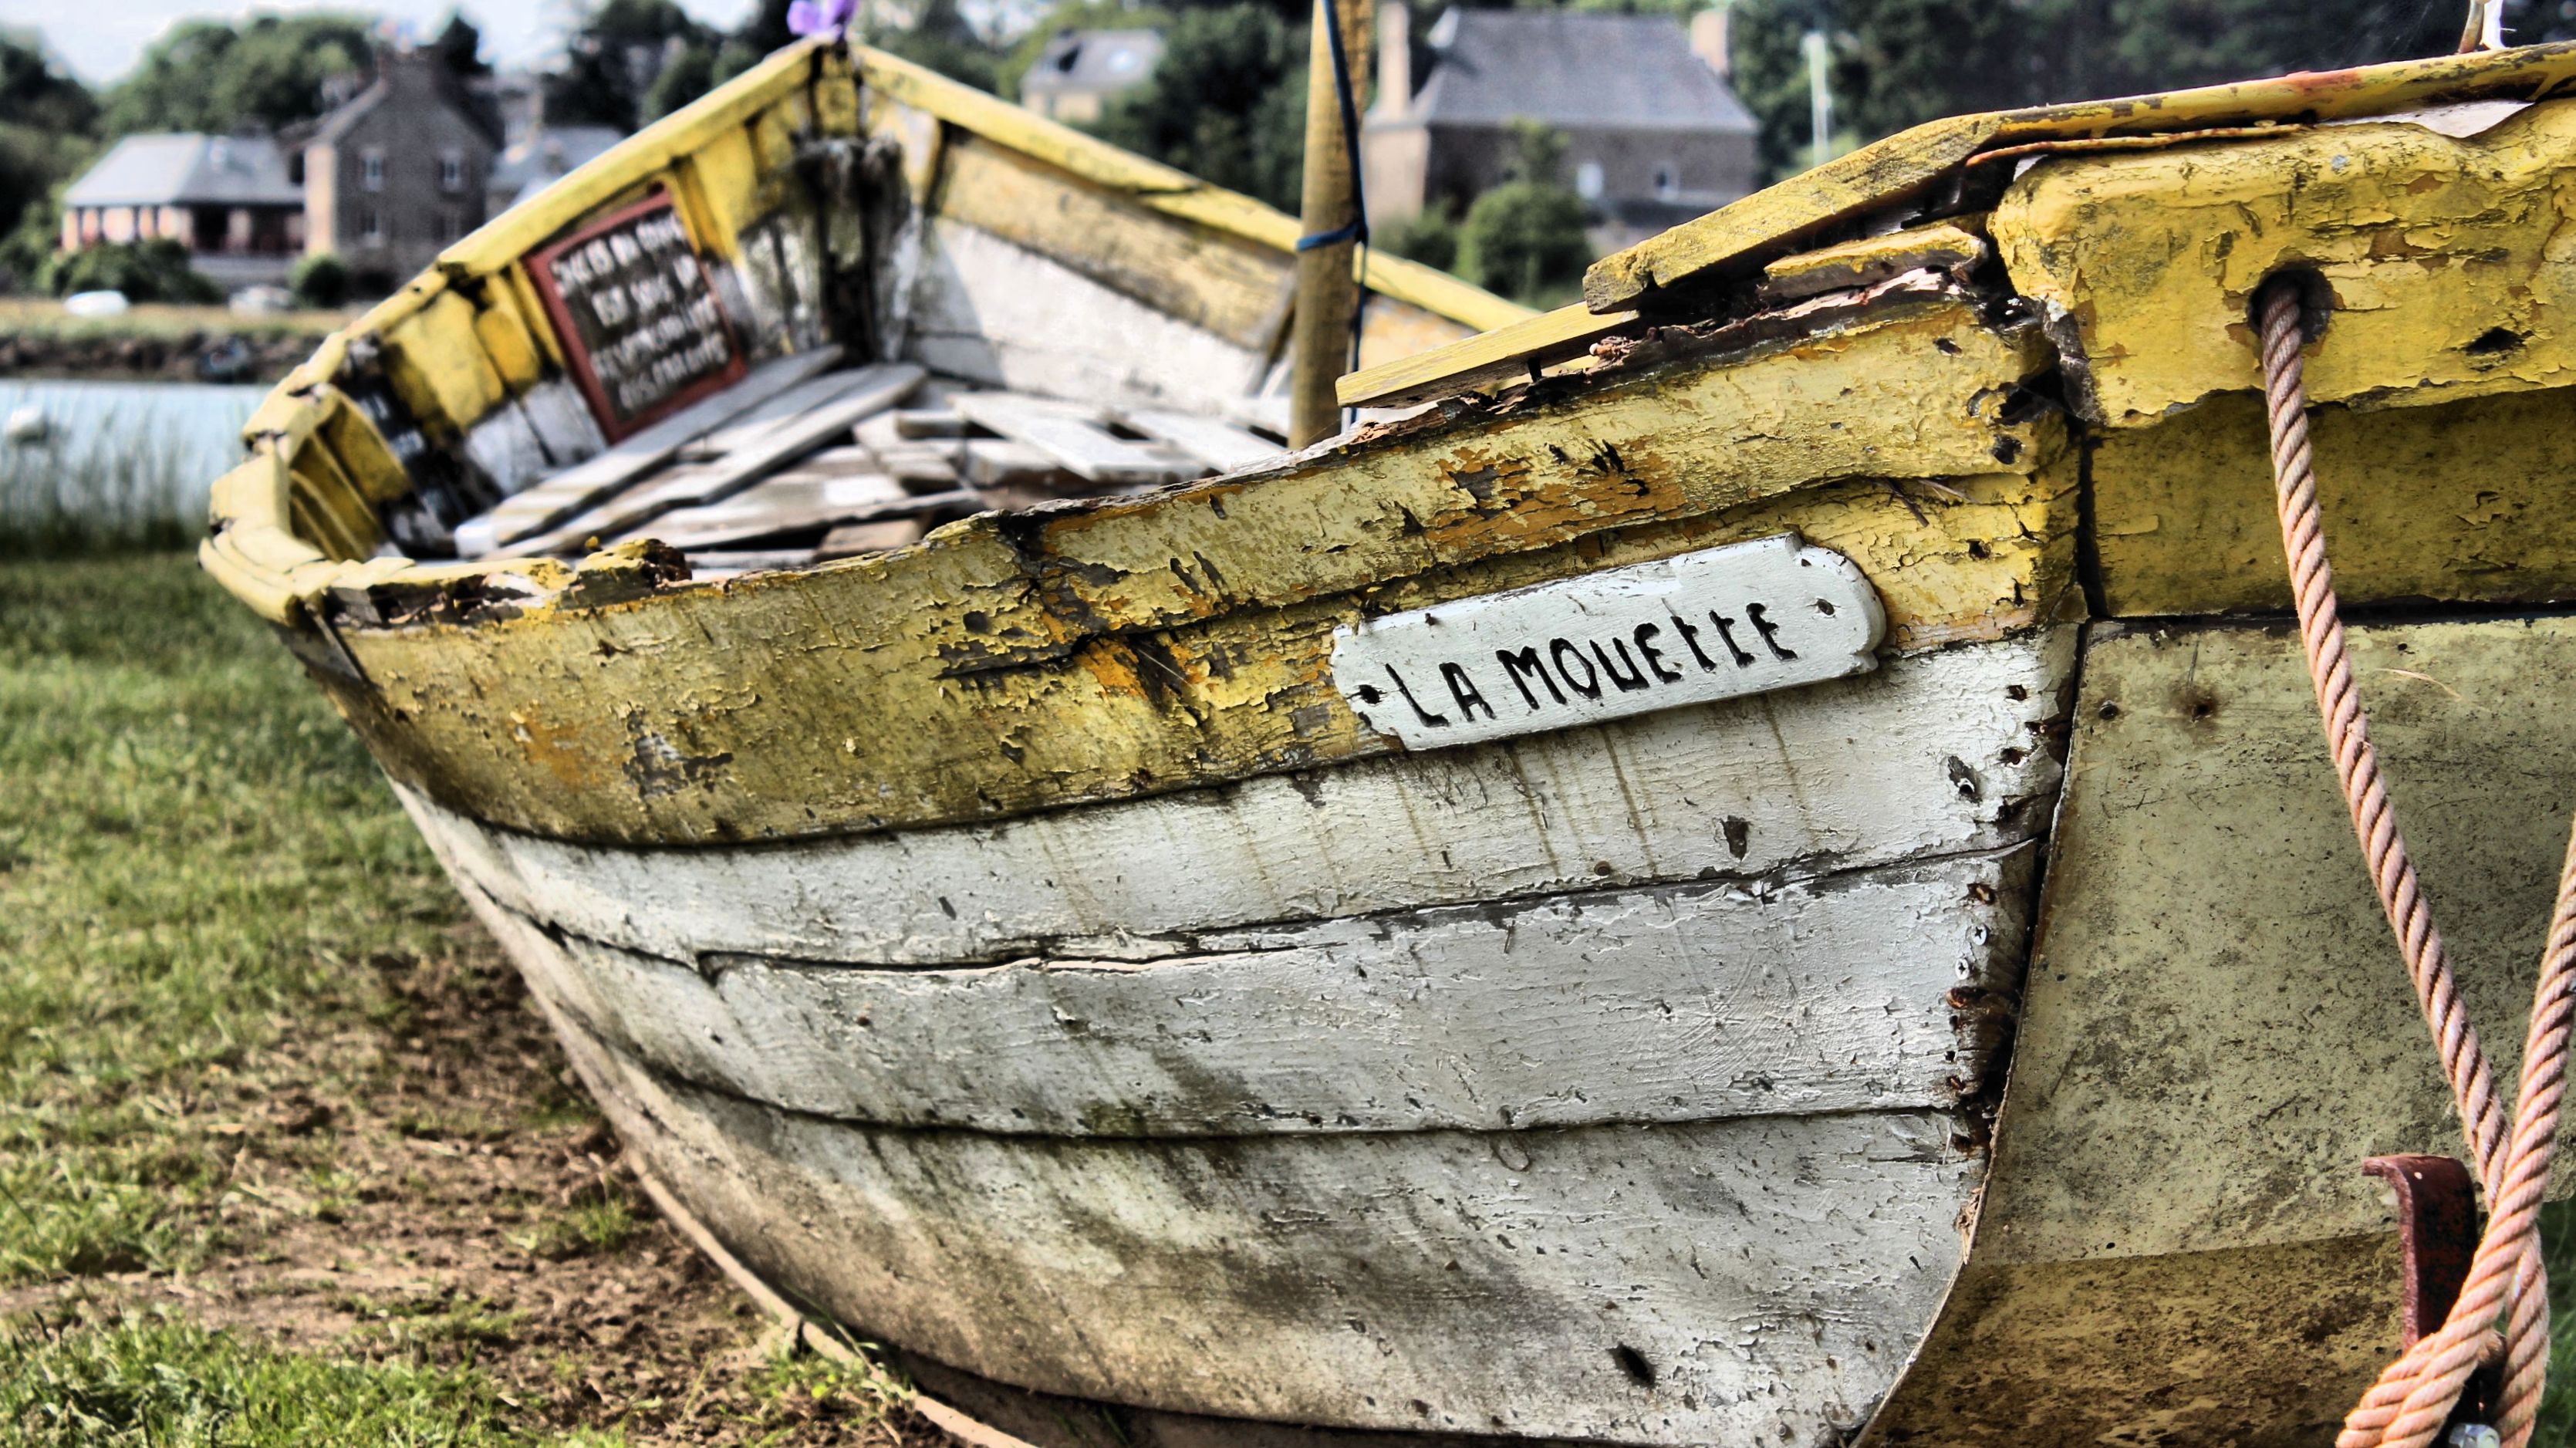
(1708, 40)
(1394, 59)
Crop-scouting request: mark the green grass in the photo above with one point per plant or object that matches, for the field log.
(204, 886)
(157, 1382)
(195, 856)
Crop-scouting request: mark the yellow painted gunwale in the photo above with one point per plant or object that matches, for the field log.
(1776, 221)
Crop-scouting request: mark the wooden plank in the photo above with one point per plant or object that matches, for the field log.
(2207, 910)
(2440, 252)
(780, 505)
(714, 563)
(1210, 279)
(2463, 502)
(1240, 696)
(1944, 753)
(1222, 446)
(2251, 1345)
(850, 540)
(1506, 356)
(559, 497)
(864, 391)
(1000, 315)
(1529, 1284)
(913, 423)
(747, 429)
(1947, 246)
(1068, 433)
(1741, 236)
(1673, 1003)
(1162, 188)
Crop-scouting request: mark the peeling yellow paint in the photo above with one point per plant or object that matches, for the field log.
(2438, 252)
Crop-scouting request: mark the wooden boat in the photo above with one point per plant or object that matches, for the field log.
(1760, 870)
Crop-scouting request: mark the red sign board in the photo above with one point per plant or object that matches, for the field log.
(641, 327)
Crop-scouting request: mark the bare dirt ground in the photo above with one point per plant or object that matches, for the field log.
(419, 1208)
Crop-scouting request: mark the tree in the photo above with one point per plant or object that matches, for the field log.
(320, 281)
(46, 121)
(615, 61)
(146, 271)
(1898, 63)
(1525, 237)
(214, 75)
(940, 38)
(1227, 102)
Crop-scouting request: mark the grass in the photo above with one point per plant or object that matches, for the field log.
(158, 1382)
(160, 321)
(205, 888)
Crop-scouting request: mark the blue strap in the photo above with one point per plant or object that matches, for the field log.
(1353, 232)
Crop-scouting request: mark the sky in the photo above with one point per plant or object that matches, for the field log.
(104, 44)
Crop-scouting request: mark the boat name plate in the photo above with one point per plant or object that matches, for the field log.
(1716, 624)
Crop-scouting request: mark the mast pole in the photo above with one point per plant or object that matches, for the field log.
(1328, 297)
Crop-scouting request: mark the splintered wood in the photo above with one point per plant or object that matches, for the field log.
(798, 464)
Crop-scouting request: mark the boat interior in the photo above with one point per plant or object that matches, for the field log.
(835, 304)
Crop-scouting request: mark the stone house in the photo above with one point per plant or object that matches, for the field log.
(1079, 71)
(1653, 134)
(227, 199)
(397, 172)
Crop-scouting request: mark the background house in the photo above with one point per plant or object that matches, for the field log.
(396, 173)
(1079, 70)
(227, 199)
(1653, 134)
(545, 155)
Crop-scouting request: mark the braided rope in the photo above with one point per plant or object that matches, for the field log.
(2416, 1395)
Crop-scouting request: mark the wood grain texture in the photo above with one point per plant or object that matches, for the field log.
(1945, 753)
(2264, 1346)
(2445, 257)
(1768, 1275)
(2214, 1004)
(1675, 1003)
(1742, 236)
(991, 311)
(1137, 646)
(1210, 279)
(2462, 501)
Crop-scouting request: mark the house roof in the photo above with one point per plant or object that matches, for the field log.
(548, 156)
(416, 71)
(1573, 69)
(1094, 60)
(187, 169)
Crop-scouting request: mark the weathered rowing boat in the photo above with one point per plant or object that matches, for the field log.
(1763, 870)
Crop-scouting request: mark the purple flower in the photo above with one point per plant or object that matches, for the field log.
(820, 17)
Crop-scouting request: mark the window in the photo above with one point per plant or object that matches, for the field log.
(451, 223)
(451, 171)
(371, 170)
(371, 225)
(1587, 180)
(1668, 181)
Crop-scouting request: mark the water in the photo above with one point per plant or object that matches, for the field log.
(124, 462)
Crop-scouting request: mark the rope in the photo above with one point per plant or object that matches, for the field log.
(2416, 1395)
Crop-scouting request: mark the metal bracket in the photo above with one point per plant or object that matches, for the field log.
(2437, 1234)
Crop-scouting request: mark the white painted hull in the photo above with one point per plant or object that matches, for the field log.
(1625, 1083)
